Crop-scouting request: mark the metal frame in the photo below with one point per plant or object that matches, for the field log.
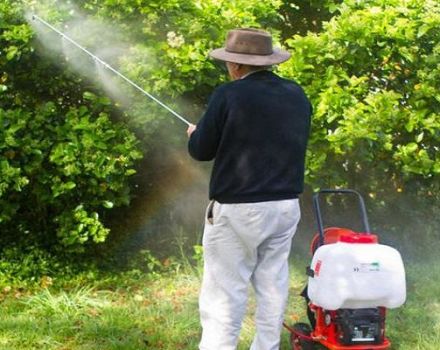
(338, 191)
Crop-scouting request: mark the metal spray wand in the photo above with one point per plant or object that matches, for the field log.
(106, 65)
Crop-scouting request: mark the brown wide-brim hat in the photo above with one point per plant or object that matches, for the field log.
(250, 46)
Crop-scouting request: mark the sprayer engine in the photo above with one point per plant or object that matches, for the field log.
(360, 326)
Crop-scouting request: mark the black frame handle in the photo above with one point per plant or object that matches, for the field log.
(339, 191)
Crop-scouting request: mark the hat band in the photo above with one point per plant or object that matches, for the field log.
(248, 53)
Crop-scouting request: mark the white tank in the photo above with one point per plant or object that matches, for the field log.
(357, 275)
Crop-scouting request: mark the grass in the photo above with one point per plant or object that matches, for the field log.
(129, 313)
(159, 311)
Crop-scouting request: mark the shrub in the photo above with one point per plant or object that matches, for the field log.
(58, 171)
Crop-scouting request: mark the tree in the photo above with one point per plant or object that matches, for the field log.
(372, 75)
(62, 161)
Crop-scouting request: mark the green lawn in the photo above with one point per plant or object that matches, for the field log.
(140, 311)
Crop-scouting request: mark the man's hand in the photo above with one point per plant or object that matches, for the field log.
(191, 129)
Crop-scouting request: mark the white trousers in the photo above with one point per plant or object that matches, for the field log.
(246, 243)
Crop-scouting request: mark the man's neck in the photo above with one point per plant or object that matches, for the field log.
(251, 72)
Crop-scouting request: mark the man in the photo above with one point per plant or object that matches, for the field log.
(256, 128)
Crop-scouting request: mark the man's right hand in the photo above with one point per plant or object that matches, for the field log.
(191, 129)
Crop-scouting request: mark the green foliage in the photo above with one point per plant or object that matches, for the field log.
(19, 264)
(28, 266)
(78, 227)
(62, 161)
(59, 169)
(372, 75)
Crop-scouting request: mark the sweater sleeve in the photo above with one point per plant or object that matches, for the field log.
(204, 141)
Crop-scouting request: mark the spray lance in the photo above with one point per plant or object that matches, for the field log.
(107, 66)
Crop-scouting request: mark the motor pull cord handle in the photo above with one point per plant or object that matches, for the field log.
(317, 209)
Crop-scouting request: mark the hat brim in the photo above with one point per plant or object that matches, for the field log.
(277, 56)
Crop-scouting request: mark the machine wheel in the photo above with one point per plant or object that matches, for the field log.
(299, 343)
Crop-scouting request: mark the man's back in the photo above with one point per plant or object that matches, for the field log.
(256, 128)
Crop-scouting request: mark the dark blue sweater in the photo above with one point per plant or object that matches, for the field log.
(256, 128)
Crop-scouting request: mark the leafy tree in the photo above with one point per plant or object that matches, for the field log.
(373, 77)
(62, 161)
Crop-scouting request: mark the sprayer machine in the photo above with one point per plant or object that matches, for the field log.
(352, 281)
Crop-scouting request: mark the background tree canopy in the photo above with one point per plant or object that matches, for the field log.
(71, 140)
